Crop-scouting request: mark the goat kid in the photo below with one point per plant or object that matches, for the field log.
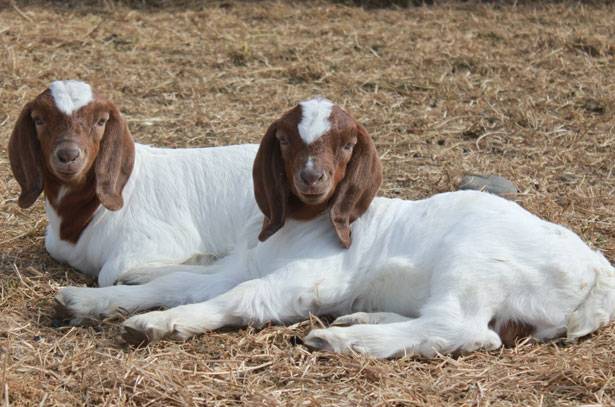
(115, 207)
(455, 272)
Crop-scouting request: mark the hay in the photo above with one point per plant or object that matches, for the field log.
(523, 91)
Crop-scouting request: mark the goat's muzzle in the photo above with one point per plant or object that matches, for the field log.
(67, 160)
(313, 184)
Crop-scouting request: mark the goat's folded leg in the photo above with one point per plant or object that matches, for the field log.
(143, 275)
(424, 336)
(82, 304)
(369, 318)
(286, 296)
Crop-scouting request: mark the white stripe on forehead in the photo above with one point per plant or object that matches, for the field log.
(70, 96)
(314, 119)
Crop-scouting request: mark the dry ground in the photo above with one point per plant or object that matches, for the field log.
(524, 91)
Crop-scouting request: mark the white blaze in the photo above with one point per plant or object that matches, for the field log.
(309, 165)
(314, 119)
(70, 96)
(61, 193)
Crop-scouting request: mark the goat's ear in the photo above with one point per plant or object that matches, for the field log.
(356, 191)
(270, 185)
(114, 161)
(26, 158)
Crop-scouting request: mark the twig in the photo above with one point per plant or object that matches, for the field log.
(21, 13)
(2, 243)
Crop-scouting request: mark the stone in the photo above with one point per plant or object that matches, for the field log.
(488, 183)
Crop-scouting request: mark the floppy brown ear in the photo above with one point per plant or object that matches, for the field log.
(26, 158)
(270, 186)
(114, 161)
(355, 192)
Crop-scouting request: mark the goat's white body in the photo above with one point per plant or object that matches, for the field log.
(437, 272)
(178, 203)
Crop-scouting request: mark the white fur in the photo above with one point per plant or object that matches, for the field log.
(62, 193)
(70, 96)
(309, 164)
(427, 276)
(178, 203)
(314, 122)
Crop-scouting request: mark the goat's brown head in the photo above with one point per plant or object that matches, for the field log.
(315, 157)
(69, 136)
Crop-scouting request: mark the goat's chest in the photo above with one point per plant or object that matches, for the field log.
(74, 254)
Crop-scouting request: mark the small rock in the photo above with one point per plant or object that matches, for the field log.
(594, 106)
(489, 183)
(473, 132)
(567, 178)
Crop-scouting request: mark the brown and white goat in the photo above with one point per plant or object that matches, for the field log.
(115, 207)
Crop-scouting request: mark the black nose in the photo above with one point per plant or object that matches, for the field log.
(67, 155)
(311, 175)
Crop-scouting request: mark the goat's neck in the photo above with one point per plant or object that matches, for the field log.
(74, 204)
(301, 211)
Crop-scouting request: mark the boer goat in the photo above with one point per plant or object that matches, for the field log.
(452, 273)
(117, 209)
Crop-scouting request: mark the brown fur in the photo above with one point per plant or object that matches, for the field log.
(354, 176)
(511, 331)
(26, 158)
(108, 159)
(270, 186)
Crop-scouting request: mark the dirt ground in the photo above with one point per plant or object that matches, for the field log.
(522, 90)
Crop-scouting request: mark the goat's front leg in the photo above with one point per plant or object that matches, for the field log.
(288, 295)
(81, 304)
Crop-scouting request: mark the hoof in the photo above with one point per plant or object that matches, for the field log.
(66, 312)
(60, 310)
(62, 315)
(318, 340)
(134, 337)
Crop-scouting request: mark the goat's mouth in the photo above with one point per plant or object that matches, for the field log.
(313, 197)
(314, 192)
(67, 172)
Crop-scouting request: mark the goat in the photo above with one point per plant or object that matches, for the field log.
(115, 207)
(455, 272)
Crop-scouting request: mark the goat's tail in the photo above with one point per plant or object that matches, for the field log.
(598, 308)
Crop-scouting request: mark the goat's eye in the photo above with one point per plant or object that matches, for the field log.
(38, 121)
(101, 122)
(348, 146)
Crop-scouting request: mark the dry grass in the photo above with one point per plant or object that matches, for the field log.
(523, 91)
